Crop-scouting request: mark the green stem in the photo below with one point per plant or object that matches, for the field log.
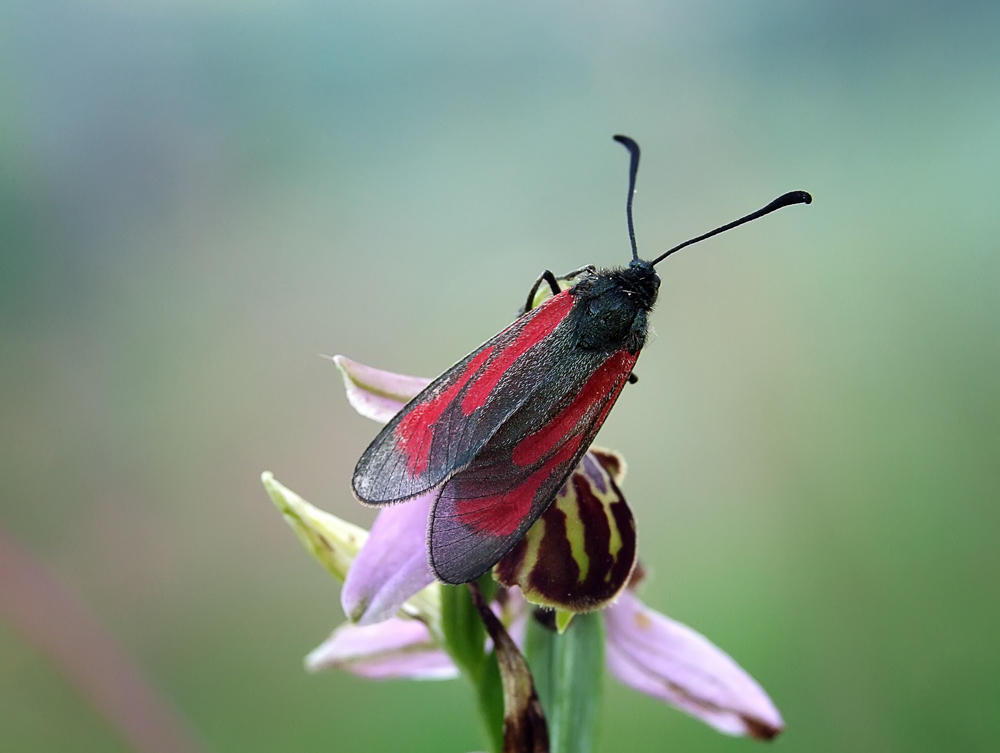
(465, 641)
(569, 671)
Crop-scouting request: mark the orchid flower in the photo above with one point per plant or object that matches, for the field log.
(389, 575)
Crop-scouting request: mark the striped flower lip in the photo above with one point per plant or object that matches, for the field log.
(579, 555)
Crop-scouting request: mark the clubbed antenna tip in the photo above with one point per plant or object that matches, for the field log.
(633, 150)
(785, 200)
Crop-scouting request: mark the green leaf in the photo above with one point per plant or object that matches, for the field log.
(465, 642)
(489, 701)
(464, 634)
(569, 678)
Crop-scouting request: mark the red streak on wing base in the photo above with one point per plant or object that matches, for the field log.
(415, 432)
(536, 446)
(501, 514)
(548, 316)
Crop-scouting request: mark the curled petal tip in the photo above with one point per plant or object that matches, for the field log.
(670, 661)
(763, 730)
(374, 393)
(563, 619)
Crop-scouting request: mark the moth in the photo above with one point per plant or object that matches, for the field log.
(498, 433)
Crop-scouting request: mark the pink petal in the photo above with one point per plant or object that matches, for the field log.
(670, 661)
(377, 394)
(392, 565)
(394, 648)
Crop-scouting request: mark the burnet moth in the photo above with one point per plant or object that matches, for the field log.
(497, 434)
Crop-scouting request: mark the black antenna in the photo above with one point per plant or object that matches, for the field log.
(792, 197)
(633, 149)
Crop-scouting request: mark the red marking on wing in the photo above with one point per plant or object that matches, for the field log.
(541, 324)
(501, 514)
(626, 364)
(536, 446)
(415, 432)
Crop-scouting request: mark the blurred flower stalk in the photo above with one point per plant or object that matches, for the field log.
(564, 596)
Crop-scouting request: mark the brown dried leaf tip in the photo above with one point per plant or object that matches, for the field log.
(524, 726)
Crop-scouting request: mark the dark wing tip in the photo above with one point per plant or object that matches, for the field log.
(456, 571)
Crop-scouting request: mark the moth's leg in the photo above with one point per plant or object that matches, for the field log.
(545, 276)
(577, 272)
(553, 282)
(632, 378)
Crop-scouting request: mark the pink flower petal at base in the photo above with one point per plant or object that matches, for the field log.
(395, 567)
(392, 565)
(395, 648)
(377, 394)
(667, 660)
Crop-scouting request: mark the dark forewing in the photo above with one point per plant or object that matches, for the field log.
(485, 508)
(443, 428)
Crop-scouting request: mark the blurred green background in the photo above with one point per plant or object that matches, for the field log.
(197, 198)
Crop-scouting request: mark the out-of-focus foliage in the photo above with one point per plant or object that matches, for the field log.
(197, 198)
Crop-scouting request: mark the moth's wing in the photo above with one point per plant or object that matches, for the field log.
(485, 509)
(442, 429)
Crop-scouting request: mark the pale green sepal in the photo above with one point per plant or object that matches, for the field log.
(563, 619)
(334, 542)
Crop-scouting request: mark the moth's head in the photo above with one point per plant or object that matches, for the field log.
(642, 278)
(633, 287)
